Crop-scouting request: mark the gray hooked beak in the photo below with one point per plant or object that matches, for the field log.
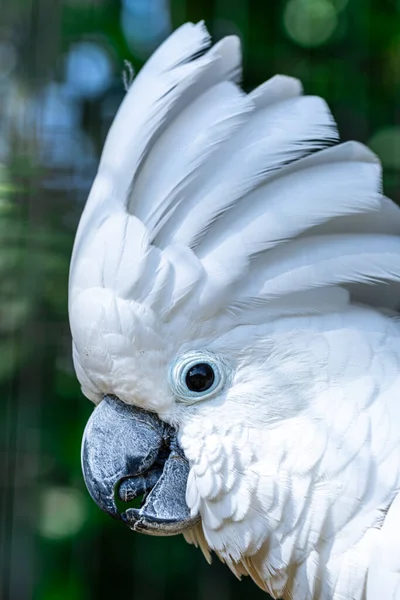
(129, 452)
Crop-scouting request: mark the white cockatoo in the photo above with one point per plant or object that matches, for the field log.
(233, 295)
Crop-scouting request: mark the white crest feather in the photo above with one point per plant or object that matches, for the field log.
(208, 200)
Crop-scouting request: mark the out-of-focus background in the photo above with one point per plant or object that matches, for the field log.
(61, 65)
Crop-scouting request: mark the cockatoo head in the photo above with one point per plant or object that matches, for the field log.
(215, 292)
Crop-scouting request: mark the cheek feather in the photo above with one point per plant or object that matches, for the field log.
(274, 500)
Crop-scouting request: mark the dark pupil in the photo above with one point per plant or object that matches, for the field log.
(200, 377)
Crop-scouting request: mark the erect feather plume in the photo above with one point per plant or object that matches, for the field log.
(211, 199)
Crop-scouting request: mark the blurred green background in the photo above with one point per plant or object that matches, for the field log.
(61, 65)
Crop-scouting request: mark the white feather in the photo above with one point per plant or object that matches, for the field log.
(320, 261)
(271, 138)
(281, 210)
(197, 132)
(276, 89)
(171, 79)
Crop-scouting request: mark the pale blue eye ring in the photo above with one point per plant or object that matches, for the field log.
(211, 365)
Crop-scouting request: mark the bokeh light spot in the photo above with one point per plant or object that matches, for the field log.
(145, 24)
(63, 513)
(386, 144)
(88, 69)
(310, 22)
(55, 110)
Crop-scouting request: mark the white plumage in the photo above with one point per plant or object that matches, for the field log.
(237, 224)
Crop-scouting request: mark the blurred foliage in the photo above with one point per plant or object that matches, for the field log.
(61, 65)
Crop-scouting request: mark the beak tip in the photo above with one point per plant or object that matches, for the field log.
(152, 525)
(102, 494)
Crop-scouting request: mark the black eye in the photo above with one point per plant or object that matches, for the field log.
(200, 377)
